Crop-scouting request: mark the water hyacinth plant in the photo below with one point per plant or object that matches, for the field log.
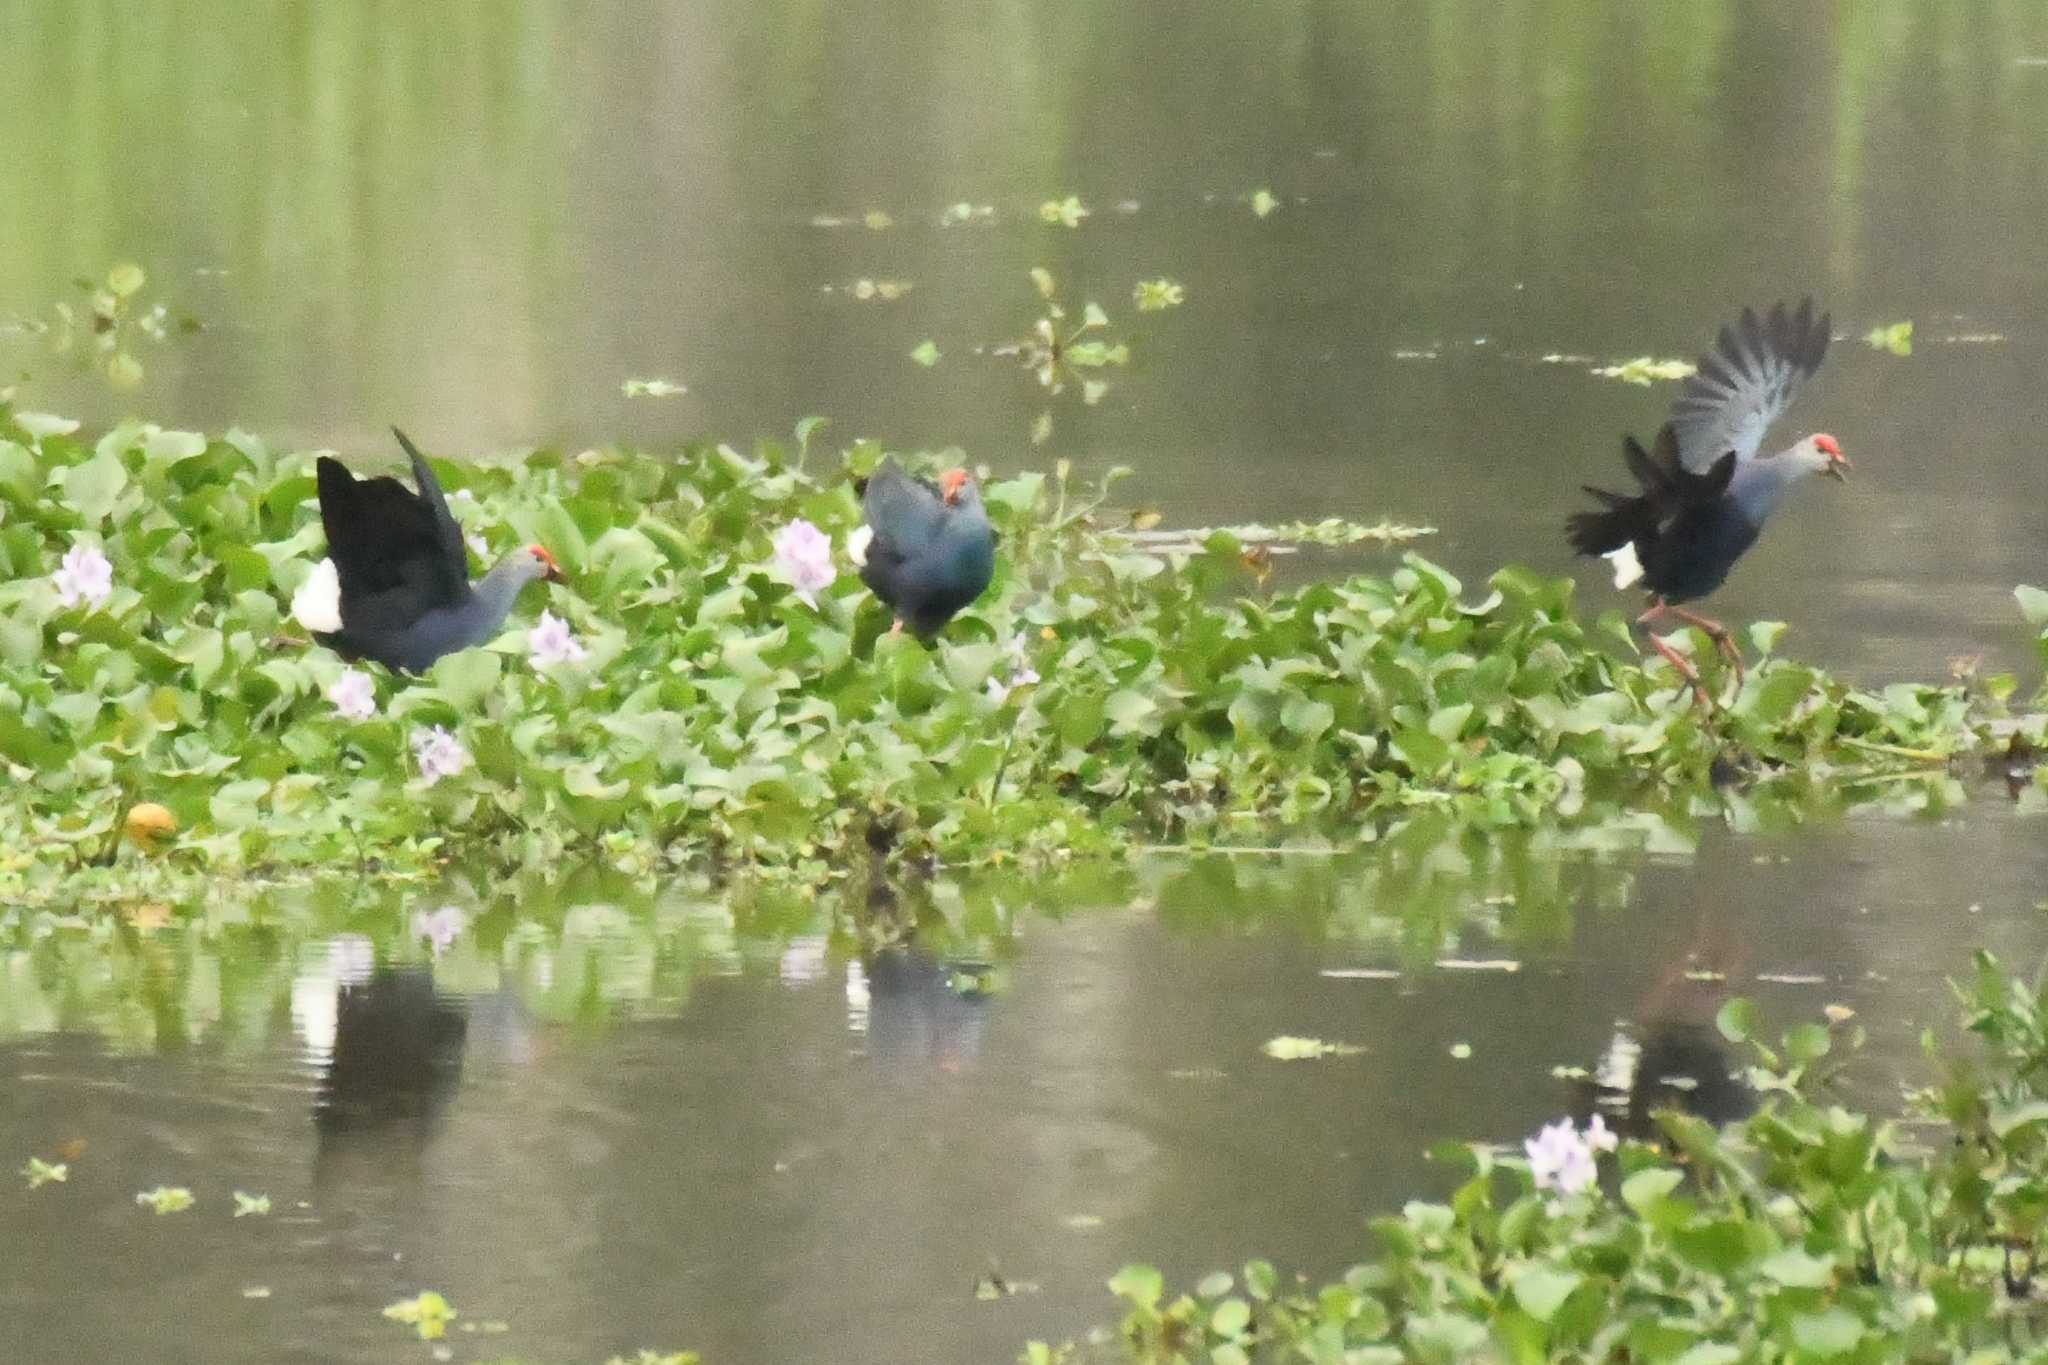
(1809, 1231)
(1106, 690)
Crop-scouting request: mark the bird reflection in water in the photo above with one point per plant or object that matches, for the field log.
(921, 1010)
(394, 1062)
(1671, 1055)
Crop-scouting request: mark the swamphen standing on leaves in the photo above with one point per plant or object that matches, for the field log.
(405, 594)
(929, 550)
(1706, 492)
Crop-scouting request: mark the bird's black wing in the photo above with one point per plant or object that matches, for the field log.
(385, 546)
(452, 565)
(1746, 382)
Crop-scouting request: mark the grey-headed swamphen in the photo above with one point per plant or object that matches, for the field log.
(1706, 491)
(930, 551)
(406, 597)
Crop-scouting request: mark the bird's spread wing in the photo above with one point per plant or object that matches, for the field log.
(452, 564)
(385, 546)
(904, 513)
(1742, 386)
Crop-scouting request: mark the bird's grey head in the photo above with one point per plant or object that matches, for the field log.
(958, 489)
(1820, 453)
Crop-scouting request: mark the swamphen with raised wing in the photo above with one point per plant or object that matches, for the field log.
(930, 550)
(406, 598)
(1706, 492)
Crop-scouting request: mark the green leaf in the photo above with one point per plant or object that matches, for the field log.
(1139, 1285)
(1806, 1043)
(1795, 1268)
(1422, 751)
(1542, 1291)
(1231, 1317)
(125, 279)
(1127, 710)
(1644, 1188)
(1737, 1020)
(1764, 635)
(1709, 1353)
(1828, 1334)
(466, 677)
(1448, 723)
(92, 488)
(926, 353)
(1306, 717)
(1445, 1337)
(2033, 605)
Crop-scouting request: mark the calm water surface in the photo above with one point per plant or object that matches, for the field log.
(607, 1123)
(599, 1121)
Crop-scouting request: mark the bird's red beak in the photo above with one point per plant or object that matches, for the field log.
(553, 572)
(950, 484)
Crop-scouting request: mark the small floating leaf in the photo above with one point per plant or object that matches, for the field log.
(166, 1199)
(1896, 337)
(41, 1173)
(1066, 212)
(1040, 277)
(251, 1204)
(1263, 202)
(927, 353)
(1643, 369)
(124, 371)
(430, 1314)
(1154, 296)
(878, 221)
(125, 279)
(651, 388)
(886, 290)
(1287, 1048)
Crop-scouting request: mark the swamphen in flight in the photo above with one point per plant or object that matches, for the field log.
(1706, 492)
(406, 598)
(930, 550)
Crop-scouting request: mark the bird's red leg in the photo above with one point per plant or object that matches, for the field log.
(1718, 633)
(1678, 661)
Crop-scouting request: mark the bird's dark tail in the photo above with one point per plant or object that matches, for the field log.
(1667, 486)
(1618, 521)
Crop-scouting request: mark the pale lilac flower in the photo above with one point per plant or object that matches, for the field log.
(1598, 1137)
(317, 603)
(439, 928)
(1561, 1160)
(550, 643)
(85, 576)
(1022, 674)
(803, 555)
(353, 694)
(438, 754)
